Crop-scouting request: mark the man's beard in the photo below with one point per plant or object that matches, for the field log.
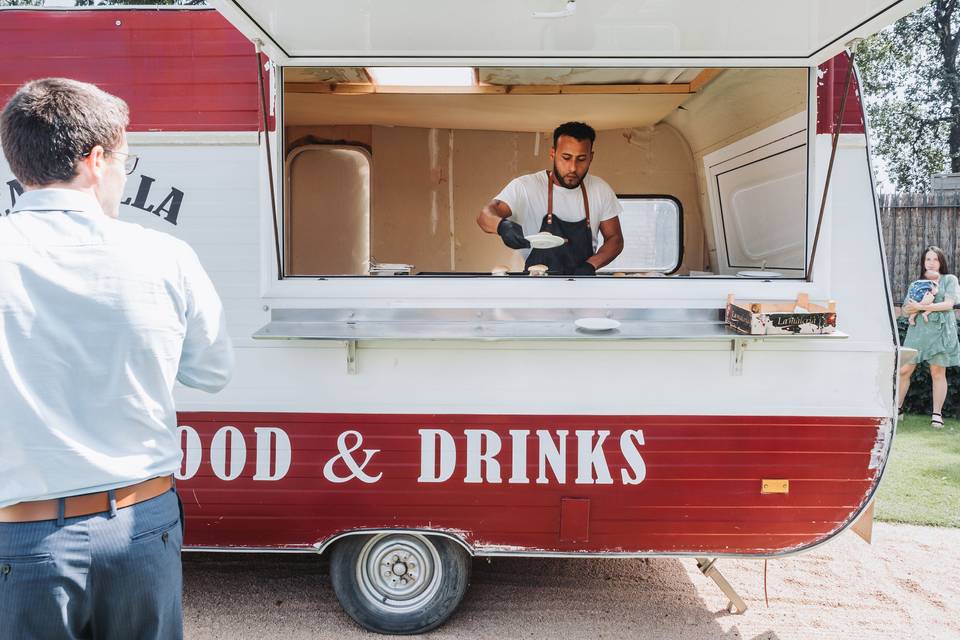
(559, 179)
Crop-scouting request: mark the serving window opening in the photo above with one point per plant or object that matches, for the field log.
(709, 167)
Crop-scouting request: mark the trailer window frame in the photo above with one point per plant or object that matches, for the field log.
(680, 244)
(350, 291)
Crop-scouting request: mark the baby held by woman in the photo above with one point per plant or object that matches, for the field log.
(923, 291)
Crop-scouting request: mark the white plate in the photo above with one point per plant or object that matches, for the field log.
(596, 324)
(389, 269)
(545, 241)
(759, 274)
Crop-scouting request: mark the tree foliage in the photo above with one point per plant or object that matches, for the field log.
(911, 88)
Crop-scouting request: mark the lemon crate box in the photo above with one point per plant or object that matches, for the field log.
(781, 318)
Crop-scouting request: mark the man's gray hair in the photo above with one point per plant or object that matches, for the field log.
(49, 125)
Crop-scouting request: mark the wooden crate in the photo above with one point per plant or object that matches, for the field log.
(781, 318)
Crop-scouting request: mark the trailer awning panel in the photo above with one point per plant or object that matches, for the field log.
(723, 31)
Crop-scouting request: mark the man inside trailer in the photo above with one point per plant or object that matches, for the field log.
(565, 219)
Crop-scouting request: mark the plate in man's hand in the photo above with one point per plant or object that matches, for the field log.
(545, 240)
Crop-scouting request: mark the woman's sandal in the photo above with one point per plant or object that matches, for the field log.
(936, 421)
(900, 413)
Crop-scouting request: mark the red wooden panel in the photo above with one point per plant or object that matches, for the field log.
(184, 70)
(700, 490)
(439, 506)
(656, 494)
(574, 520)
(755, 465)
(833, 76)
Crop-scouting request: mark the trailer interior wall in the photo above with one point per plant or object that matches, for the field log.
(429, 183)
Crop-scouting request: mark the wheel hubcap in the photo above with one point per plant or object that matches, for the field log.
(398, 572)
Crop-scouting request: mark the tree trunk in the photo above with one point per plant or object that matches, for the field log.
(949, 42)
(955, 138)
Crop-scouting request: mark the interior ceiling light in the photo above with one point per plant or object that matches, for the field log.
(422, 76)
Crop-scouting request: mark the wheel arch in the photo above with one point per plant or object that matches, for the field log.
(455, 536)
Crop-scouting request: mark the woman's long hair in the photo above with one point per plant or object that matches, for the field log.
(940, 256)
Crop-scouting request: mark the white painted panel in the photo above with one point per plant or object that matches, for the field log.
(658, 379)
(849, 251)
(658, 28)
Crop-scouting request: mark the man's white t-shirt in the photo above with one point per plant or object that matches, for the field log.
(527, 198)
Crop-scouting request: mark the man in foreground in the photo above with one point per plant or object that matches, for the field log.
(98, 318)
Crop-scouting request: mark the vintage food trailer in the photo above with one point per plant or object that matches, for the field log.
(396, 405)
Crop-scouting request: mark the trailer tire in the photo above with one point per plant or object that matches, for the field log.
(399, 583)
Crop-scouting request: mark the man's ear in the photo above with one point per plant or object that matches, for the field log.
(92, 165)
(553, 152)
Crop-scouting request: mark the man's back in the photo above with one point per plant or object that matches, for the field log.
(94, 313)
(98, 318)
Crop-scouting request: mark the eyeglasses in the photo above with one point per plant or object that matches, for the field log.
(129, 160)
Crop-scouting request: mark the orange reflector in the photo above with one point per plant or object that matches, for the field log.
(774, 486)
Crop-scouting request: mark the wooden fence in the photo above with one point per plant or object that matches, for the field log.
(912, 222)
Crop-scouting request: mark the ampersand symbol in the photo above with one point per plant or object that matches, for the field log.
(346, 454)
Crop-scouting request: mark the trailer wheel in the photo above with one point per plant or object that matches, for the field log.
(399, 583)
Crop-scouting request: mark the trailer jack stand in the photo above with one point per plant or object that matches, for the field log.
(709, 569)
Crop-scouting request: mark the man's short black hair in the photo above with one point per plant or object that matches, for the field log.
(576, 130)
(50, 124)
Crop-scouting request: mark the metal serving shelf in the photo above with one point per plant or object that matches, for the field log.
(355, 325)
(502, 324)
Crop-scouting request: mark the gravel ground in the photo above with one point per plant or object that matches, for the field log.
(904, 585)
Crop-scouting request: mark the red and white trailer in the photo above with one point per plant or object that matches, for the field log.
(407, 422)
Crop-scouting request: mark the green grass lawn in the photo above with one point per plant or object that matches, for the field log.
(921, 484)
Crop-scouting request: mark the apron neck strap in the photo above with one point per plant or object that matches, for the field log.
(583, 189)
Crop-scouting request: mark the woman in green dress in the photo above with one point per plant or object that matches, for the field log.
(935, 339)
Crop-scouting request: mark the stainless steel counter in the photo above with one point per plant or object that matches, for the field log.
(352, 326)
(502, 324)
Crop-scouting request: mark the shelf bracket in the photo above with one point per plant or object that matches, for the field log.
(351, 346)
(738, 346)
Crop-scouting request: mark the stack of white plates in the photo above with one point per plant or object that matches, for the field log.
(390, 269)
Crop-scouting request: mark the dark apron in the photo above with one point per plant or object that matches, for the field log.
(564, 259)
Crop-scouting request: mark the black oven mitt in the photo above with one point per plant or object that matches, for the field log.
(585, 269)
(512, 235)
